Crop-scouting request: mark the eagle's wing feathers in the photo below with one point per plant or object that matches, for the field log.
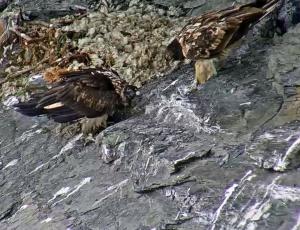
(89, 96)
(91, 101)
(207, 41)
(93, 78)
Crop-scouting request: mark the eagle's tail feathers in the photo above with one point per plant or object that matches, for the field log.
(67, 117)
(29, 108)
(56, 111)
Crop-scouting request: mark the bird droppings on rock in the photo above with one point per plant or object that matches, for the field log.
(11, 163)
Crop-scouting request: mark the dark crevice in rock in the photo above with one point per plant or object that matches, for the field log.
(178, 181)
(172, 226)
(11, 210)
(275, 114)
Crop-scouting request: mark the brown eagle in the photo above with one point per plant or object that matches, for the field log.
(90, 93)
(210, 35)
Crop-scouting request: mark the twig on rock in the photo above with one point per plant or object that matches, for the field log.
(21, 35)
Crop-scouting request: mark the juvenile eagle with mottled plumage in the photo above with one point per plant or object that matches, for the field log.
(90, 93)
(210, 35)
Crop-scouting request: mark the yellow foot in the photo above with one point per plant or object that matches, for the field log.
(204, 70)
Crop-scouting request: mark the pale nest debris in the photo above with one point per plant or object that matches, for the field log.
(133, 42)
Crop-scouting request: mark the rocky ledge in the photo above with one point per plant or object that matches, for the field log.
(223, 157)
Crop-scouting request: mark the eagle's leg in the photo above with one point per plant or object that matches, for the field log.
(204, 70)
(94, 125)
(67, 130)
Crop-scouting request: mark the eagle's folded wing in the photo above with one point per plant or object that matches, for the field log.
(77, 94)
(209, 34)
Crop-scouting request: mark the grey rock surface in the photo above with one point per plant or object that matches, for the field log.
(57, 8)
(223, 157)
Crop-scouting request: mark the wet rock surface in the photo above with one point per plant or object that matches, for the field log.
(224, 156)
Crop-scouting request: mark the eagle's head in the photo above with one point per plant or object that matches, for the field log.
(128, 93)
(174, 50)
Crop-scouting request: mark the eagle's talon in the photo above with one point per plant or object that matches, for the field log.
(89, 139)
(193, 87)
